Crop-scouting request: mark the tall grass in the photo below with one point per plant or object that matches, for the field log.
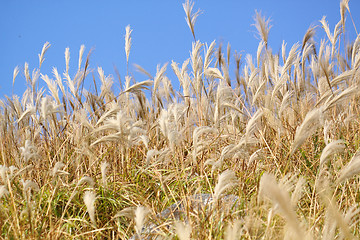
(282, 137)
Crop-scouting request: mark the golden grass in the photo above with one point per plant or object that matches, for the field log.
(283, 138)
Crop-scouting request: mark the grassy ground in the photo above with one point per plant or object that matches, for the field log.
(283, 136)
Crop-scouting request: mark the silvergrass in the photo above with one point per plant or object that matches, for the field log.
(89, 200)
(288, 112)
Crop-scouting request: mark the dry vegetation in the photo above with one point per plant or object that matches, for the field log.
(283, 137)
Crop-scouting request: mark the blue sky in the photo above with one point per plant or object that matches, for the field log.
(160, 33)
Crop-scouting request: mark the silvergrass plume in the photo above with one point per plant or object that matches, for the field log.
(226, 180)
(87, 180)
(233, 230)
(104, 169)
(351, 169)
(43, 51)
(312, 121)
(67, 59)
(140, 216)
(15, 73)
(331, 149)
(3, 191)
(263, 27)
(30, 185)
(270, 189)
(190, 16)
(89, 200)
(57, 170)
(183, 230)
(81, 53)
(128, 40)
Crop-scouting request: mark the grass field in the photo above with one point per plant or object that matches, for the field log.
(282, 136)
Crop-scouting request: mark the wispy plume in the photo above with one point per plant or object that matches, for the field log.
(191, 16)
(89, 200)
(140, 216)
(263, 27)
(351, 169)
(183, 230)
(312, 121)
(104, 169)
(226, 180)
(331, 149)
(280, 198)
(128, 40)
(42, 54)
(67, 59)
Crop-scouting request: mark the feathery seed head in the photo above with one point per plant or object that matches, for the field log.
(57, 170)
(331, 149)
(87, 180)
(3, 191)
(280, 198)
(140, 216)
(89, 200)
(104, 166)
(30, 185)
(183, 230)
(190, 17)
(67, 59)
(28, 151)
(128, 39)
(226, 180)
(43, 51)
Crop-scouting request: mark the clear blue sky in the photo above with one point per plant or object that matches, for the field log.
(160, 33)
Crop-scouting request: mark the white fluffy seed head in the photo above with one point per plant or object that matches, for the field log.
(183, 230)
(104, 166)
(331, 149)
(140, 216)
(128, 39)
(3, 191)
(87, 180)
(226, 180)
(351, 169)
(280, 198)
(89, 200)
(57, 170)
(30, 185)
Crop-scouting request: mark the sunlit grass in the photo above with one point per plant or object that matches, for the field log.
(269, 154)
